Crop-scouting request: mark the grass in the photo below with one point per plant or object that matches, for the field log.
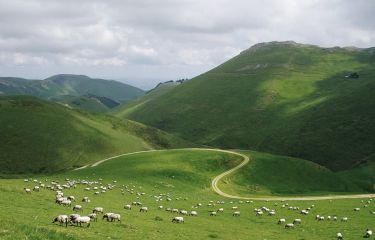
(268, 174)
(286, 99)
(38, 136)
(180, 173)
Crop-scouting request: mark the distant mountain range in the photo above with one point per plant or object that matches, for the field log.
(77, 91)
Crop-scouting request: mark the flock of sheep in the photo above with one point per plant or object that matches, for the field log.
(97, 187)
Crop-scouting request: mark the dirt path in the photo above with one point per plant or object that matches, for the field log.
(245, 161)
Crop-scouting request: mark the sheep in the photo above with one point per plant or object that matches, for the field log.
(339, 236)
(234, 208)
(128, 207)
(281, 220)
(289, 225)
(321, 218)
(175, 210)
(93, 217)
(66, 202)
(236, 214)
(259, 213)
(297, 221)
(220, 210)
(184, 212)
(36, 189)
(112, 217)
(213, 213)
(304, 212)
(143, 209)
(27, 190)
(368, 233)
(71, 198)
(77, 208)
(193, 213)
(356, 209)
(344, 219)
(98, 210)
(178, 220)
(61, 219)
(272, 213)
(86, 199)
(80, 220)
(160, 207)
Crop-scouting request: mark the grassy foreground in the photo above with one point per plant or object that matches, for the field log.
(184, 175)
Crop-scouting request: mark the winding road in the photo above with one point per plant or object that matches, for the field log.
(245, 161)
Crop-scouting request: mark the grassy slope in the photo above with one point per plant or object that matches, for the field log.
(287, 99)
(268, 174)
(180, 173)
(38, 136)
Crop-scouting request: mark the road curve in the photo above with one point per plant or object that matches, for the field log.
(245, 161)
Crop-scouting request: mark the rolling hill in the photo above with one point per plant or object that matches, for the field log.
(39, 136)
(285, 98)
(68, 87)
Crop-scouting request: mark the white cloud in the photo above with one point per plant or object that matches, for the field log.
(179, 38)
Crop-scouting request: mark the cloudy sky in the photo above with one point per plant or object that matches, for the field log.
(142, 42)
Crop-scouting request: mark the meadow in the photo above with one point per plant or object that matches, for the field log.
(185, 176)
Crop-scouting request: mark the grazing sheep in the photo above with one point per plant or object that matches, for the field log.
(321, 218)
(259, 213)
(86, 199)
(220, 210)
(93, 217)
(344, 219)
(339, 236)
(98, 210)
(27, 190)
(236, 214)
(234, 208)
(272, 213)
(368, 233)
(193, 213)
(36, 188)
(80, 220)
(143, 209)
(178, 220)
(128, 207)
(304, 212)
(161, 207)
(184, 212)
(297, 221)
(175, 210)
(71, 198)
(112, 217)
(66, 202)
(281, 220)
(289, 225)
(356, 209)
(334, 218)
(213, 213)
(61, 219)
(77, 208)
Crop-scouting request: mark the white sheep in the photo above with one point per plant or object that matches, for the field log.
(236, 214)
(98, 210)
(61, 219)
(178, 220)
(356, 209)
(85, 199)
(297, 221)
(114, 217)
(77, 208)
(93, 217)
(213, 213)
(36, 188)
(143, 209)
(281, 220)
(80, 220)
(128, 207)
(289, 225)
(71, 198)
(184, 212)
(220, 210)
(66, 202)
(259, 213)
(368, 233)
(193, 213)
(344, 219)
(27, 190)
(339, 236)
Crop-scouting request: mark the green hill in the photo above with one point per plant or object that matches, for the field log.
(279, 97)
(60, 86)
(89, 102)
(39, 136)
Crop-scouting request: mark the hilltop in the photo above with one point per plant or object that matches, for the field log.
(279, 97)
(43, 137)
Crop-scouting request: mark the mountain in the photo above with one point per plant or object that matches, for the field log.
(64, 86)
(285, 98)
(88, 102)
(41, 137)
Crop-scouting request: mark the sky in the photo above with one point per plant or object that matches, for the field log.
(143, 42)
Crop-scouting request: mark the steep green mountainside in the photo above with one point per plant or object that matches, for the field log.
(59, 86)
(39, 136)
(279, 97)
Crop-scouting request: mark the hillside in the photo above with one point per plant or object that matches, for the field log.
(60, 87)
(88, 102)
(279, 97)
(39, 136)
